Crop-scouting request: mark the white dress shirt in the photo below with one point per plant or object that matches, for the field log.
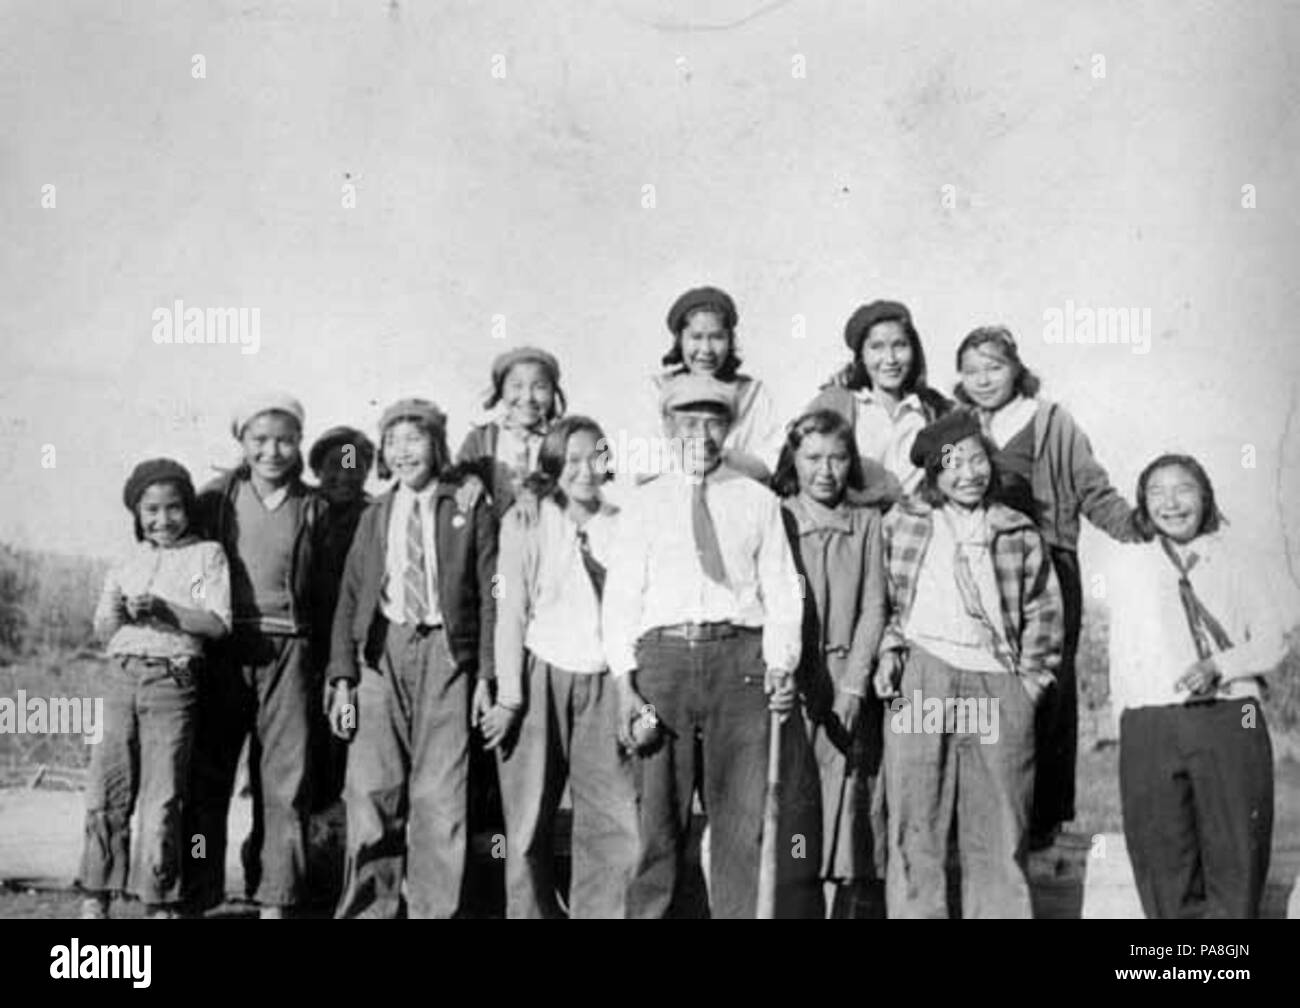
(393, 602)
(1150, 643)
(888, 439)
(655, 578)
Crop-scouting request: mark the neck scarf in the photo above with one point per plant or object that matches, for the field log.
(1203, 627)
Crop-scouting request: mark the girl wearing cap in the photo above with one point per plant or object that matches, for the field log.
(410, 664)
(1194, 628)
(1048, 472)
(501, 453)
(882, 393)
(157, 608)
(974, 632)
(837, 550)
(264, 684)
(555, 719)
(703, 326)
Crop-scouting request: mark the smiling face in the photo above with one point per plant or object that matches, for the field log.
(822, 464)
(342, 484)
(1175, 502)
(988, 377)
(966, 472)
(585, 464)
(528, 394)
(700, 432)
(706, 343)
(887, 355)
(270, 443)
(162, 514)
(410, 454)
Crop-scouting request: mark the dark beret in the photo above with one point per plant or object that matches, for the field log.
(701, 297)
(159, 470)
(336, 436)
(950, 428)
(861, 321)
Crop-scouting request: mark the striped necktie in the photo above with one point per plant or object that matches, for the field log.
(414, 590)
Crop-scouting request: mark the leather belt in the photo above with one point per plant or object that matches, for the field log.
(695, 632)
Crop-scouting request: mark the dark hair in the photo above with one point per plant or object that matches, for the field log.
(184, 488)
(1027, 383)
(929, 490)
(823, 421)
(855, 374)
(553, 456)
(558, 407)
(1211, 516)
(436, 435)
(676, 360)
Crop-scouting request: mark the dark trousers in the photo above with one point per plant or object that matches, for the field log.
(141, 764)
(1196, 787)
(406, 784)
(710, 698)
(938, 778)
(260, 684)
(569, 733)
(1056, 729)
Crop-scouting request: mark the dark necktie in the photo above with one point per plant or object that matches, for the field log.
(1199, 620)
(706, 537)
(595, 569)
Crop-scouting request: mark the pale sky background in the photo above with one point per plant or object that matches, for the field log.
(522, 197)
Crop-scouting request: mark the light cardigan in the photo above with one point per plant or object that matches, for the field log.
(547, 603)
(1150, 643)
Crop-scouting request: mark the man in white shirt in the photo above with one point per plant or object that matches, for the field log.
(702, 615)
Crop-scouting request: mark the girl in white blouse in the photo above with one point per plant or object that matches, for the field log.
(1194, 628)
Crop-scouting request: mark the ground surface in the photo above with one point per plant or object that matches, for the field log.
(1086, 874)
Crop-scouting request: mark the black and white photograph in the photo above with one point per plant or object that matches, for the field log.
(779, 459)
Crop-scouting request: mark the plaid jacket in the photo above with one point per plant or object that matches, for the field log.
(1032, 616)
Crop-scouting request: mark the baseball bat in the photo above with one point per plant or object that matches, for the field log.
(767, 858)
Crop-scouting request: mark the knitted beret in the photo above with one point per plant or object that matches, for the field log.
(701, 297)
(159, 470)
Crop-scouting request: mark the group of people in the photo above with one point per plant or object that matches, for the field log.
(492, 621)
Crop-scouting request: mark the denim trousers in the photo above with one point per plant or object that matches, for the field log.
(710, 699)
(141, 763)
